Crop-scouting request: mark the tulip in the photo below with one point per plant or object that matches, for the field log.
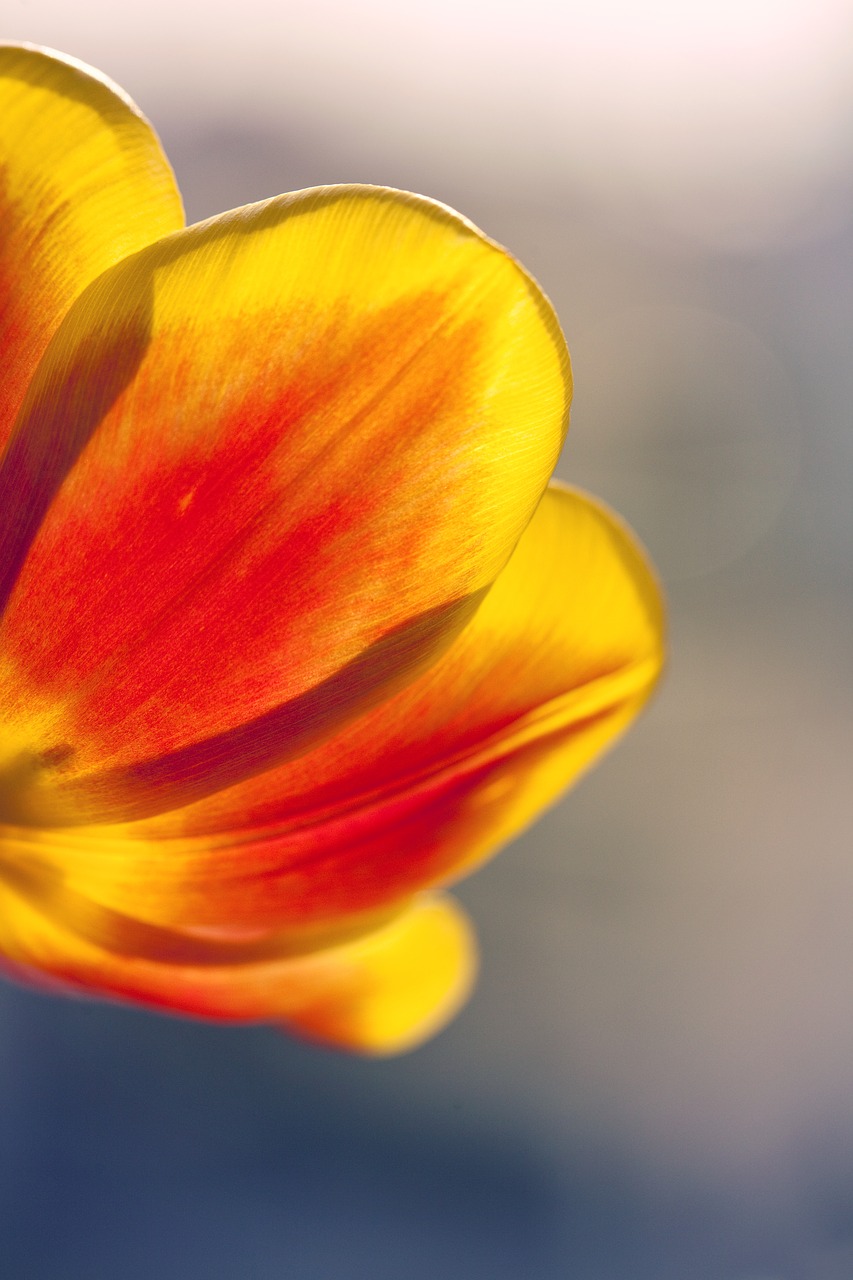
(293, 628)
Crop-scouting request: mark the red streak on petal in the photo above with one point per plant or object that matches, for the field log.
(204, 767)
(191, 580)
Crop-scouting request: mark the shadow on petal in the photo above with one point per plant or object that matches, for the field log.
(203, 768)
(57, 420)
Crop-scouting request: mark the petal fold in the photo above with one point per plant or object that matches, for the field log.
(559, 658)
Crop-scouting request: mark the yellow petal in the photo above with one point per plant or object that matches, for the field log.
(285, 453)
(83, 182)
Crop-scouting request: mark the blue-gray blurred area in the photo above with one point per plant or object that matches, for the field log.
(653, 1080)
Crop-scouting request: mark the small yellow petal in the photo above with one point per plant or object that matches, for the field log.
(397, 987)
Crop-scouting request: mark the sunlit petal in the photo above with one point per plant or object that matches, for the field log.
(83, 182)
(281, 455)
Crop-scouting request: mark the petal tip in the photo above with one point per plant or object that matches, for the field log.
(398, 987)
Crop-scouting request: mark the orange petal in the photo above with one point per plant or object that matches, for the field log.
(383, 993)
(83, 183)
(288, 451)
(559, 658)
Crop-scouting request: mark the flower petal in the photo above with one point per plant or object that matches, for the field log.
(288, 451)
(558, 659)
(380, 994)
(83, 182)
(403, 984)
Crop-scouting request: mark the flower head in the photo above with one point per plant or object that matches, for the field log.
(293, 629)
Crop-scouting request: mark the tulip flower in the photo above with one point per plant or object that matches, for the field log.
(293, 629)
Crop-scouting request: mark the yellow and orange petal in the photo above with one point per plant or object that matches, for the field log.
(283, 455)
(561, 655)
(380, 994)
(83, 183)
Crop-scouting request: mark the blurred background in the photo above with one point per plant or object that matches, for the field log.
(654, 1080)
